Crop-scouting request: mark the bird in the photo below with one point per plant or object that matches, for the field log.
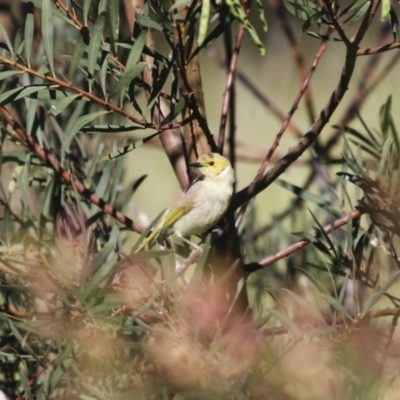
(201, 206)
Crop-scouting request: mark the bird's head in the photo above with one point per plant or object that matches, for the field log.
(213, 165)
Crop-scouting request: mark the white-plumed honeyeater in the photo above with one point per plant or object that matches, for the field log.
(202, 205)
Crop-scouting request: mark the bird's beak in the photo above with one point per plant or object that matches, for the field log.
(196, 165)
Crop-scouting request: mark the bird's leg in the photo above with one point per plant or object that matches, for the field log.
(191, 244)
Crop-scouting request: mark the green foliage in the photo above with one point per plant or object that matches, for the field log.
(80, 318)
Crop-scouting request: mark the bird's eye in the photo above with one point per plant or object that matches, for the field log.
(211, 163)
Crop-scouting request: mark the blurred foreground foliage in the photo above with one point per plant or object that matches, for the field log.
(81, 318)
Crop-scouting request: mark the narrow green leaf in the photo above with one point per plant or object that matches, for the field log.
(343, 289)
(215, 33)
(385, 9)
(176, 109)
(103, 271)
(261, 15)
(377, 296)
(322, 232)
(104, 68)
(47, 31)
(94, 46)
(157, 87)
(7, 74)
(114, 18)
(86, 6)
(385, 116)
(30, 90)
(358, 15)
(23, 373)
(8, 225)
(312, 279)
(4, 35)
(204, 18)
(313, 198)
(9, 96)
(60, 105)
(33, 91)
(79, 48)
(323, 37)
(102, 6)
(353, 6)
(21, 340)
(136, 50)
(335, 304)
(303, 9)
(58, 373)
(383, 159)
(145, 21)
(103, 185)
(48, 200)
(127, 149)
(128, 77)
(314, 19)
(105, 252)
(28, 34)
(76, 125)
(238, 12)
(17, 43)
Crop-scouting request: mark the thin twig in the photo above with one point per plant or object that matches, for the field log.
(336, 24)
(226, 102)
(265, 262)
(280, 10)
(379, 49)
(254, 90)
(91, 96)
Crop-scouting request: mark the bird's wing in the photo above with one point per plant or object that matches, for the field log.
(173, 215)
(182, 206)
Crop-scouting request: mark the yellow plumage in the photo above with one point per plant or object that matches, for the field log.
(202, 205)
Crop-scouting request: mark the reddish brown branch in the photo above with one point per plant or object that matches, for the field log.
(365, 23)
(296, 102)
(379, 49)
(265, 262)
(90, 96)
(280, 10)
(66, 176)
(228, 89)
